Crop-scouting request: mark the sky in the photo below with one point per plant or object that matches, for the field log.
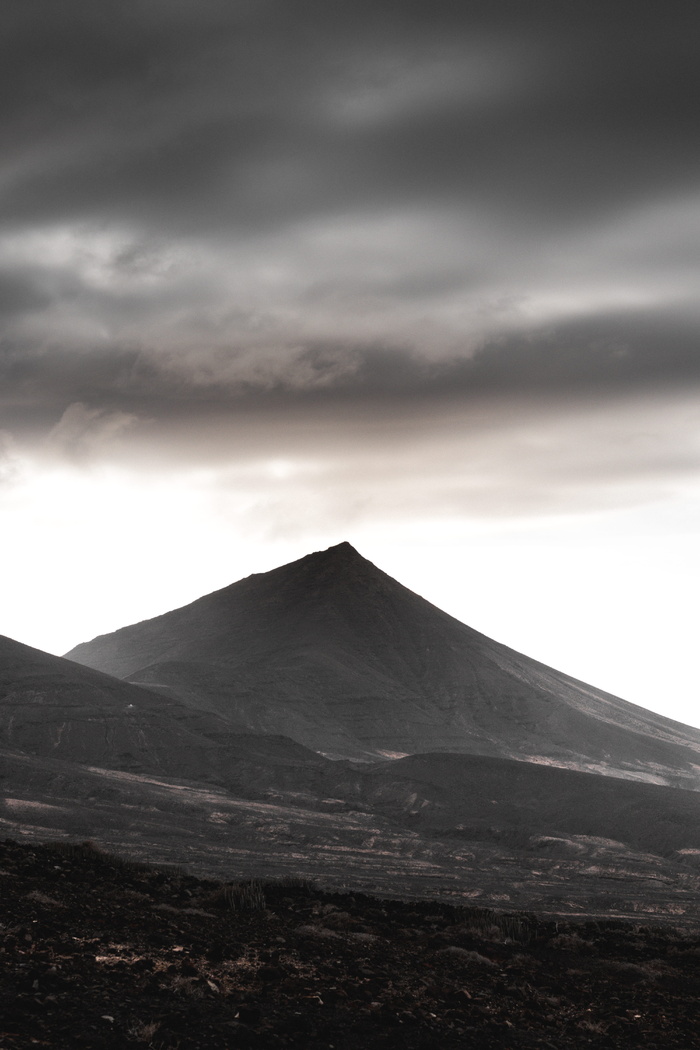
(276, 274)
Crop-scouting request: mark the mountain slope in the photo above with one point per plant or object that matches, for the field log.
(84, 754)
(334, 653)
(479, 798)
(452, 826)
(59, 710)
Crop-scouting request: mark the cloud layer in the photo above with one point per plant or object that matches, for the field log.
(236, 232)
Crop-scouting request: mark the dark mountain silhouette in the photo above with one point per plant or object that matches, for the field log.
(335, 654)
(56, 709)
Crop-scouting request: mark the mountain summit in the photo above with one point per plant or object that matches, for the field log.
(333, 652)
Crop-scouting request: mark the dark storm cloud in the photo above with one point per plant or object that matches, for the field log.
(21, 293)
(605, 358)
(221, 206)
(609, 352)
(188, 116)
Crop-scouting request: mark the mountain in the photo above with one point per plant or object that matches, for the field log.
(86, 755)
(55, 709)
(334, 653)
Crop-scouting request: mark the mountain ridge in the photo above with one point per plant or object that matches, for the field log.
(54, 708)
(85, 755)
(331, 651)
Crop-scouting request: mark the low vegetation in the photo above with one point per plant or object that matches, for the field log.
(98, 952)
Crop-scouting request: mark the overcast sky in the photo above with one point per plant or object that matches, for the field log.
(421, 276)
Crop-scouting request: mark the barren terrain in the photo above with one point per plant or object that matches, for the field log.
(98, 953)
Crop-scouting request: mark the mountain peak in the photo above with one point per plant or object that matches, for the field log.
(334, 653)
(340, 551)
(338, 561)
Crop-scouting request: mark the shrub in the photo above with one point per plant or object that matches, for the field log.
(241, 896)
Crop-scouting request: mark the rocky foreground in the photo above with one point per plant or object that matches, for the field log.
(98, 952)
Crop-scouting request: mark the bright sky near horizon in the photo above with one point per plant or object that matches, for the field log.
(422, 277)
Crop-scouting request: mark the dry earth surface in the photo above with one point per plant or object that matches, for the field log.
(99, 953)
(558, 856)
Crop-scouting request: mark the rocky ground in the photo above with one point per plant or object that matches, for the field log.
(96, 952)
